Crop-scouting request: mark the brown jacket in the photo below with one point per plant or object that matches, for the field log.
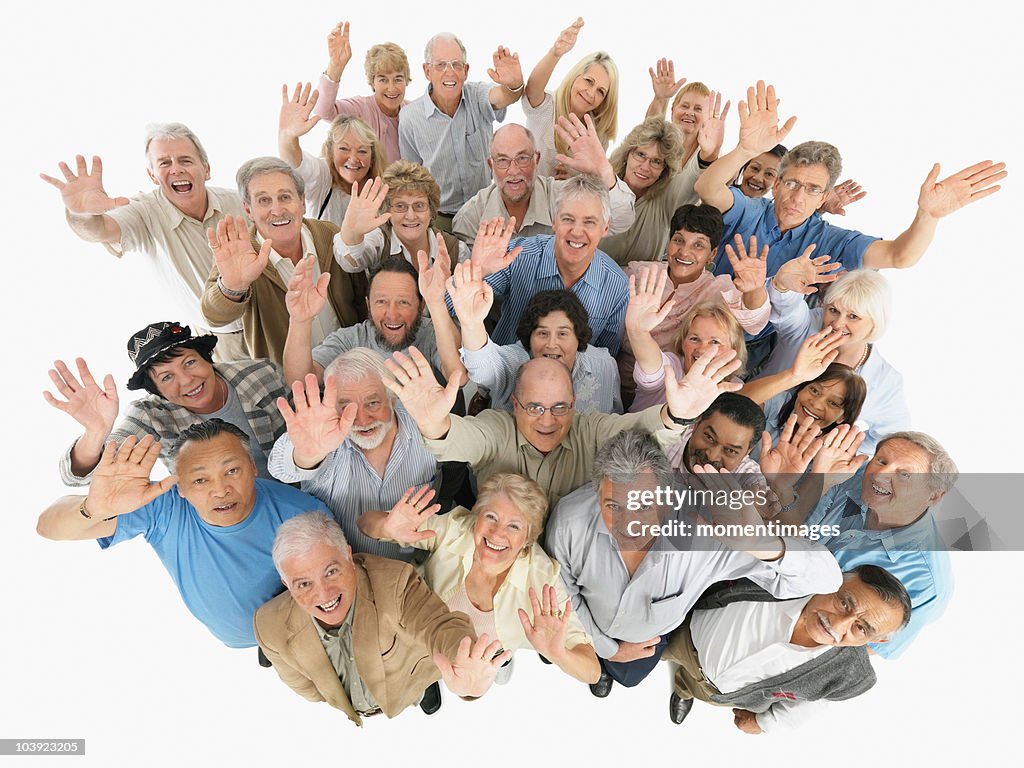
(398, 625)
(263, 312)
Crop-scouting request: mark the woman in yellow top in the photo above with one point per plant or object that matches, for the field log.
(487, 563)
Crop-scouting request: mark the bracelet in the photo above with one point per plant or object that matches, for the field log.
(336, 82)
(677, 420)
(231, 294)
(702, 163)
(85, 513)
(775, 285)
(789, 507)
(515, 90)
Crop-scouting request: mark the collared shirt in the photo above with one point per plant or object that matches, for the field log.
(614, 606)
(540, 213)
(329, 106)
(451, 559)
(491, 443)
(364, 334)
(595, 379)
(674, 444)
(746, 642)
(316, 175)
(337, 643)
(915, 554)
(603, 290)
(326, 321)
(176, 244)
(454, 149)
(347, 483)
(368, 254)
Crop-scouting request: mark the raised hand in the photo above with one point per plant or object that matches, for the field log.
(434, 278)
(316, 427)
(838, 455)
(490, 249)
(472, 298)
(506, 70)
(803, 273)
(403, 521)
(238, 263)
(474, 667)
(817, 353)
(295, 120)
(586, 153)
(304, 298)
(339, 50)
(976, 182)
(663, 80)
(424, 399)
(93, 407)
(842, 195)
(750, 268)
(711, 133)
(83, 193)
(798, 443)
(567, 38)
(120, 483)
(547, 631)
(363, 212)
(707, 378)
(645, 311)
(759, 120)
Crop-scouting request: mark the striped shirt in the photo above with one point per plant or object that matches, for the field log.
(603, 290)
(347, 483)
(454, 149)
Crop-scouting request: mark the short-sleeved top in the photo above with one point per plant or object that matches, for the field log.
(329, 106)
(176, 243)
(541, 122)
(603, 290)
(222, 574)
(316, 175)
(453, 149)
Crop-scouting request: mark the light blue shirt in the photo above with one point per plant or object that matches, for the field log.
(222, 574)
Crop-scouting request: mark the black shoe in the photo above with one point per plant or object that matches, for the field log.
(679, 708)
(543, 658)
(262, 658)
(603, 686)
(431, 701)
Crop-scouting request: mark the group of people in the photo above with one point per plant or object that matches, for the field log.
(666, 321)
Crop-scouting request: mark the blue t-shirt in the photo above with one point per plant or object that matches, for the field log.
(222, 574)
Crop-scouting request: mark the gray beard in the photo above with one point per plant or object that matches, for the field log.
(410, 336)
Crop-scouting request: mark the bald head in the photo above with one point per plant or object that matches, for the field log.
(544, 375)
(546, 383)
(513, 162)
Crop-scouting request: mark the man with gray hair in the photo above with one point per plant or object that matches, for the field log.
(568, 259)
(517, 192)
(326, 635)
(253, 268)
(448, 129)
(630, 584)
(353, 470)
(882, 514)
(168, 224)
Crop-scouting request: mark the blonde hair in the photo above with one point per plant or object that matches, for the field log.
(863, 292)
(406, 176)
(339, 127)
(524, 493)
(721, 314)
(383, 58)
(699, 87)
(606, 114)
(653, 130)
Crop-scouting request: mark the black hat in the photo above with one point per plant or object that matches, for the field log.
(157, 338)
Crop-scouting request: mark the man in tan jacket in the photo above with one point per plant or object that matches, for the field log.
(364, 633)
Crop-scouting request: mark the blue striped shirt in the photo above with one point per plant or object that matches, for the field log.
(603, 290)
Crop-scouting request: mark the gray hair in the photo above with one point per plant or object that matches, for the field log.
(168, 131)
(447, 37)
(887, 587)
(298, 535)
(581, 187)
(628, 454)
(814, 153)
(942, 470)
(260, 165)
(866, 293)
(358, 363)
(509, 126)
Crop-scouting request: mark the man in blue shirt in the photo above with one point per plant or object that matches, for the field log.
(213, 532)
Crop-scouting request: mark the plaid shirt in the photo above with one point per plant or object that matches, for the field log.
(258, 384)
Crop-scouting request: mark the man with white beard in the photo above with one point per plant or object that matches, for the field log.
(380, 459)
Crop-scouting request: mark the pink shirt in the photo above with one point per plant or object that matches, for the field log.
(329, 106)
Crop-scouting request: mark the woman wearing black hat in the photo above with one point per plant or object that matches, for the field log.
(185, 388)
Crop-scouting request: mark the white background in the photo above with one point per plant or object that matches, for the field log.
(98, 645)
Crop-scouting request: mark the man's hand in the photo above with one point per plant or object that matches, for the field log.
(433, 278)
(295, 120)
(759, 120)
(83, 193)
(474, 667)
(238, 263)
(506, 70)
(315, 427)
(634, 651)
(120, 483)
(490, 248)
(711, 133)
(941, 198)
(750, 268)
(404, 520)
(746, 721)
(663, 80)
(472, 298)
(707, 378)
(645, 312)
(547, 631)
(586, 153)
(339, 50)
(92, 407)
(363, 212)
(842, 195)
(803, 273)
(304, 298)
(424, 399)
(817, 353)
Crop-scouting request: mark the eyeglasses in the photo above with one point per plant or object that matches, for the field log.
(444, 66)
(419, 207)
(504, 163)
(643, 157)
(537, 410)
(812, 190)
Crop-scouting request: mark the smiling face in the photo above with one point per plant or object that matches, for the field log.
(512, 145)
(620, 520)
(389, 91)
(589, 90)
(853, 616)
(190, 381)
(446, 82)
(760, 174)
(719, 441)
(688, 112)
(175, 166)
(688, 255)
(854, 328)
(276, 207)
(352, 157)
(822, 401)
(375, 418)
(555, 338)
(896, 482)
(703, 334)
(394, 309)
(218, 478)
(500, 533)
(410, 217)
(543, 382)
(794, 207)
(578, 228)
(644, 166)
(322, 582)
